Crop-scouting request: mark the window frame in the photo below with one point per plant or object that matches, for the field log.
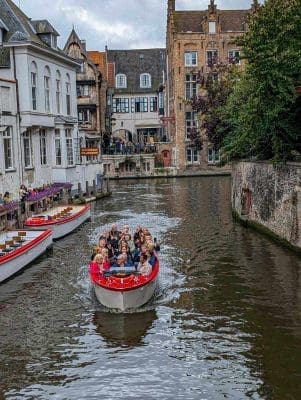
(145, 81)
(43, 146)
(27, 149)
(8, 149)
(192, 156)
(69, 147)
(58, 147)
(237, 59)
(191, 89)
(121, 105)
(153, 104)
(189, 58)
(121, 81)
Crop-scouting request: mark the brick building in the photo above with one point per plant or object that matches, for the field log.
(196, 40)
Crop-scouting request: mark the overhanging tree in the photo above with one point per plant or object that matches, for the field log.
(263, 112)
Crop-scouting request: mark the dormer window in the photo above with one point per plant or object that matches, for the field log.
(212, 27)
(121, 81)
(145, 81)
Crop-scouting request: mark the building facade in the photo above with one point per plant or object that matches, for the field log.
(39, 116)
(196, 42)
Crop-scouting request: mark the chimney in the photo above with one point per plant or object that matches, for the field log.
(212, 7)
(171, 6)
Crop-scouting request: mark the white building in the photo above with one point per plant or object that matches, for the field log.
(45, 145)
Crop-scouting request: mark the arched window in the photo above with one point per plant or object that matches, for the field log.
(47, 88)
(34, 85)
(68, 94)
(145, 81)
(58, 91)
(121, 81)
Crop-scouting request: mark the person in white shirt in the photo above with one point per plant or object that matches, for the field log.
(144, 267)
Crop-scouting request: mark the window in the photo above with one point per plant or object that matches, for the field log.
(58, 148)
(234, 57)
(213, 156)
(58, 92)
(43, 147)
(212, 57)
(121, 81)
(68, 95)
(33, 80)
(27, 146)
(192, 156)
(84, 115)
(161, 100)
(153, 104)
(145, 81)
(121, 105)
(8, 148)
(47, 89)
(191, 58)
(83, 90)
(212, 27)
(191, 122)
(141, 104)
(190, 86)
(69, 147)
(5, 99)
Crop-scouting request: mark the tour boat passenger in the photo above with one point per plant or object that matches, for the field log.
(144, 267)
(96, 266)
(106, 263)
(130, 243)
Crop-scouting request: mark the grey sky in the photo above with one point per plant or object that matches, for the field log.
(117, 23)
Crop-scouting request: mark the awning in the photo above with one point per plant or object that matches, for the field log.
(3, 128)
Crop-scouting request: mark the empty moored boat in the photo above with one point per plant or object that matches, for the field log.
(62, 220)
(125, 290)
(20, 248)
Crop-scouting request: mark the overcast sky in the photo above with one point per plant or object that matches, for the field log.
(119, 24)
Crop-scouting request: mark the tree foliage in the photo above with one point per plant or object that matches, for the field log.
(263, 111)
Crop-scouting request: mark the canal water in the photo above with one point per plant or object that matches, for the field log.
(225, 322)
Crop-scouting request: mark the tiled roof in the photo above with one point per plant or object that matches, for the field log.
(44, 26)
(193, 21)
(99, 59)
(189, 21)
(133, 63)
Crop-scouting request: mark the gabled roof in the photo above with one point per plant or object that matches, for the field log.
(44, 26)
(193, 21)
(18, 24)
(74, 38)
(133, 63)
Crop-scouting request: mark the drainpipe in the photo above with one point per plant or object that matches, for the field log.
(20, 158)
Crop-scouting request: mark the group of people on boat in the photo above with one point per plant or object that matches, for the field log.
(121, 250)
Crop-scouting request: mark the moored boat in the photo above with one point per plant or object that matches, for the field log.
(20, 248)
(62, 220)
(125, 290)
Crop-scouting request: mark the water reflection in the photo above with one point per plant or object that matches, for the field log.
(225, 323)
(127, 330)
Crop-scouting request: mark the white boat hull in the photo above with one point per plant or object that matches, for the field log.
(15, 264)
(125, 300)
(61, 229)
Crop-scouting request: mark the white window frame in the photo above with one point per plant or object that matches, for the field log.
(191, 88)
(34, 103)
(27, 149)
(58, 147)
(58, 94)
(213, 156)
(68, 95)
(43, 146)
(47, 93)
(121, 81)
(84, 116)
(191, 58)
(145, 81)
(69, 147)
(8, 150)
(212, 27)
(192, 156)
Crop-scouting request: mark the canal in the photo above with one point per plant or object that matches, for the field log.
(225, 322)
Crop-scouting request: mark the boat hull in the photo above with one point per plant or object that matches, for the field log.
(21, 257)
(125, 300)
(65, 226)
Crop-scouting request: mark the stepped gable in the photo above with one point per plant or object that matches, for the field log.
(133, 63)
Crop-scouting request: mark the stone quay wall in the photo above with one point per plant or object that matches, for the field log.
(269, 197)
